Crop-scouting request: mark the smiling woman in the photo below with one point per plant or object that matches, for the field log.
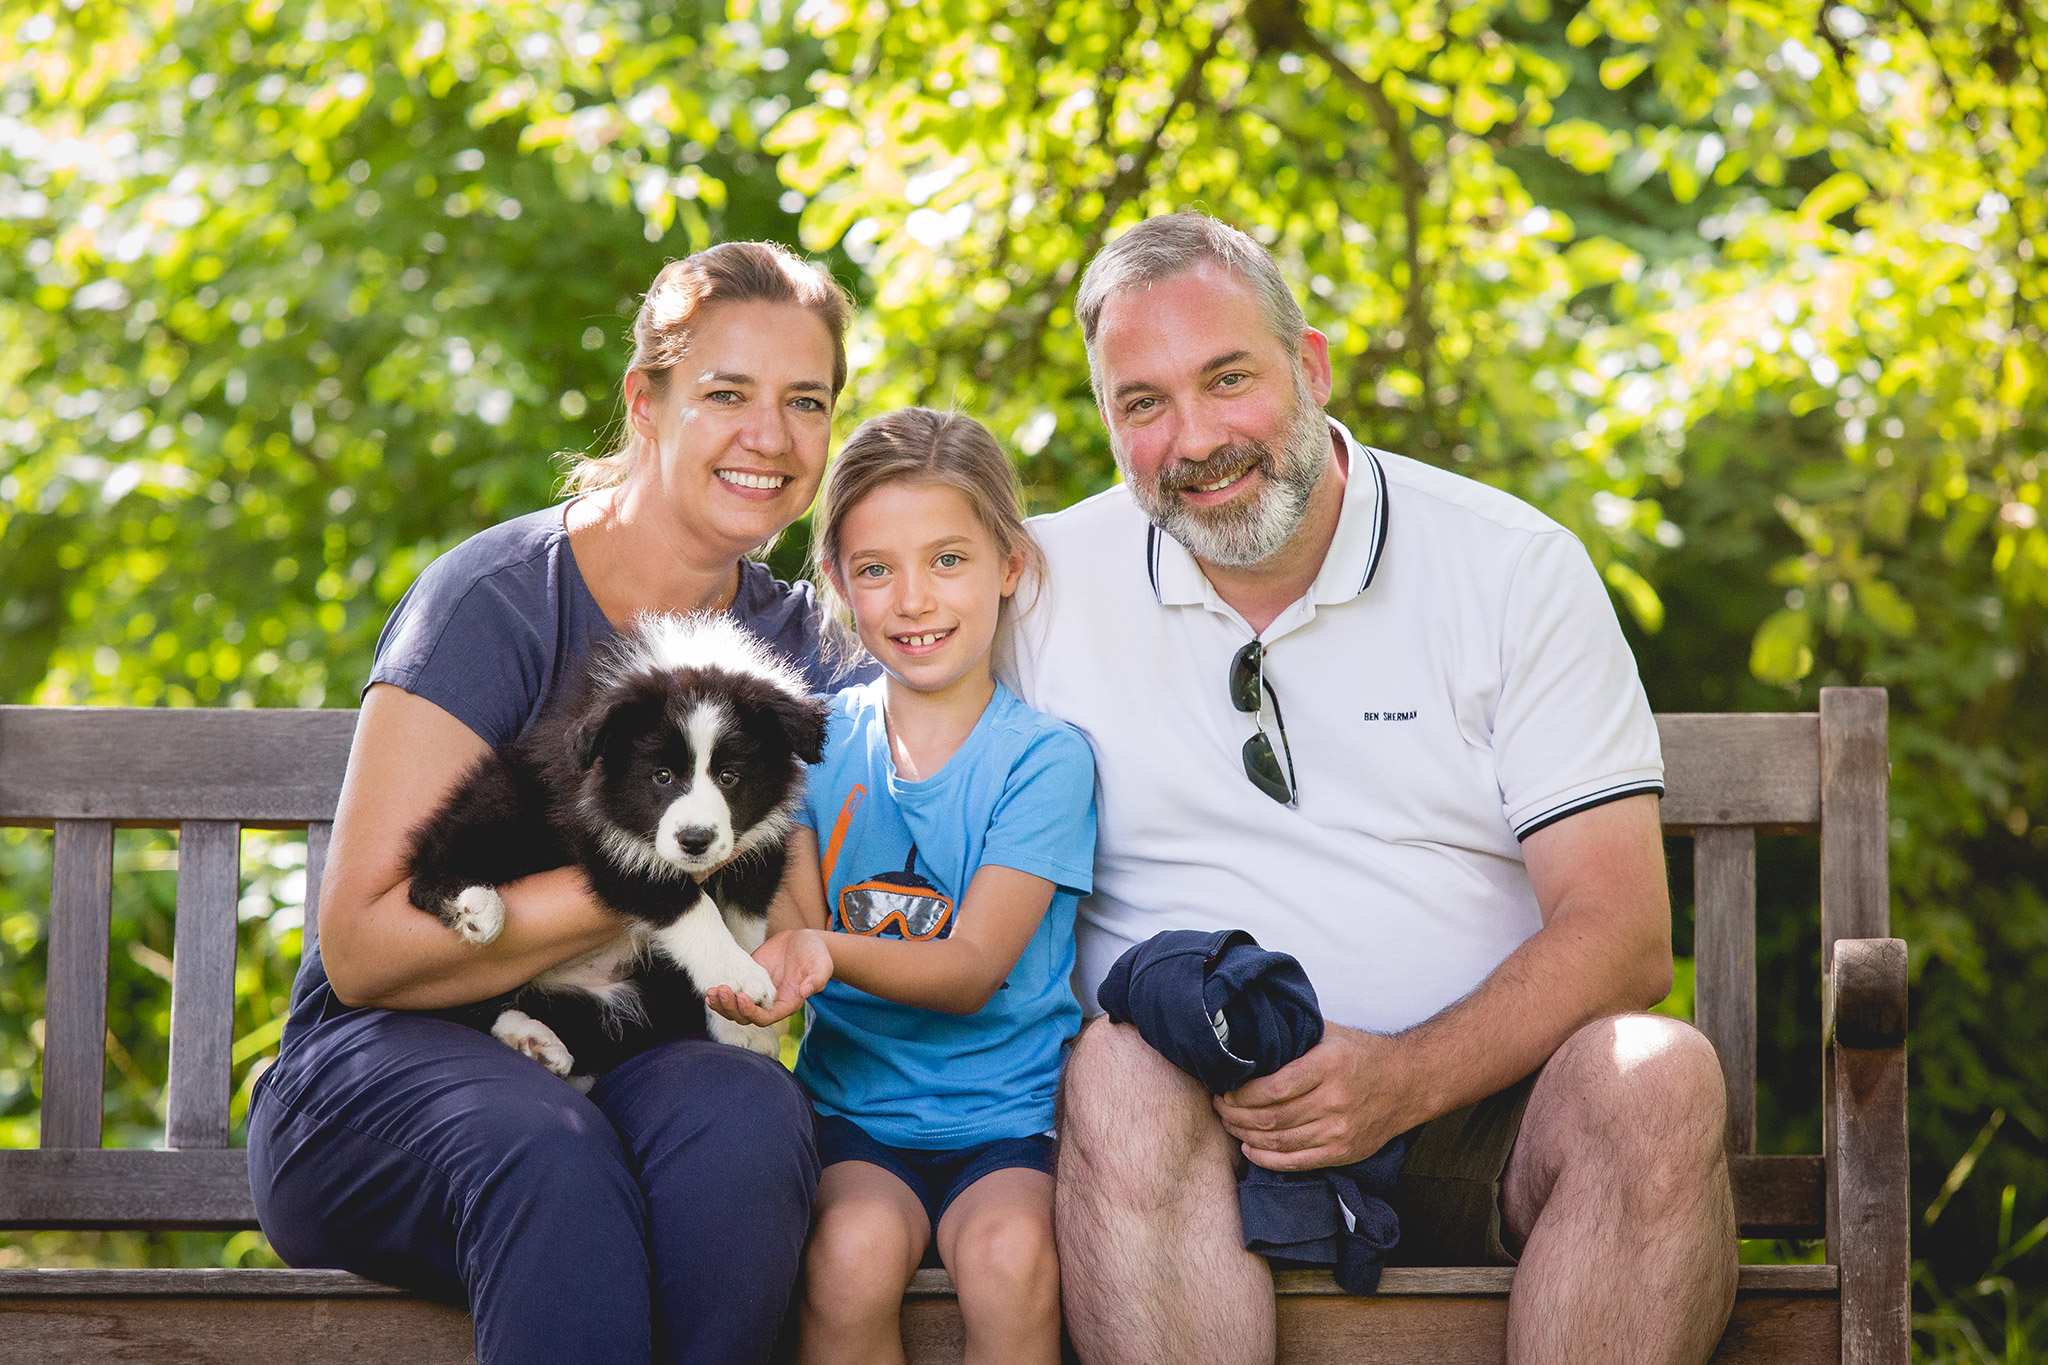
(663, 1213)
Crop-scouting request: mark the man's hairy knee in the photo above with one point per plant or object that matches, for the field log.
(1126, 1114)
(1637, 1084)
(1112, 1071)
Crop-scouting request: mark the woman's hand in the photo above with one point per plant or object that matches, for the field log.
(800, 963)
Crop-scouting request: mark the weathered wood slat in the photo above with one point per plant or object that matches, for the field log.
(1779, 1319)
(1775, 1196)
(1855, 903)
(234, 1331)
(75, 999)
(350, 1325)
(1780, 1196)
(925, 1284)
(203, 983)
(318, 833)
(1855, 849)
(106, 1188)
(1724, 966)
(163, 766)
(269, 768)
(212, 1283)
(1758, 769)
(1869, 1219)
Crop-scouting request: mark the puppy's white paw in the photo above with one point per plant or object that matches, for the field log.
(477, 914)
(581, 1084)
(752, 1037)
(701, 945)
(523, 1033)
(749, 978)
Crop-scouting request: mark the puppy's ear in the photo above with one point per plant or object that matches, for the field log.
(594, 731)
(803, 723)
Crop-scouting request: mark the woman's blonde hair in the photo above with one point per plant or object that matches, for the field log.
(731, 272)
(918, 445)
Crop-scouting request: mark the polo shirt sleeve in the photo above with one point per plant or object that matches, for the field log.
(1572, 728)
(1044, 821)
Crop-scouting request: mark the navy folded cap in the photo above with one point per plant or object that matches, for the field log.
(1216, 1005)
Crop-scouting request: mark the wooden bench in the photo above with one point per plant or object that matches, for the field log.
(210, 774)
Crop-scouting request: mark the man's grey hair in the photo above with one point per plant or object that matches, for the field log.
(1173, 244)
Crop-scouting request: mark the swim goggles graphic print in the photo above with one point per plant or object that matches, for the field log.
(902, 901)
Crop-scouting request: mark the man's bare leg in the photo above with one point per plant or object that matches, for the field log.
(1153, 1269)
(1618, 1195)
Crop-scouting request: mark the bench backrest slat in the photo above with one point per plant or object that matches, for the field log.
(117, 1188)
(1761, 770)
(75, 993)
(163, 766)
(317, 835)
(1724, 965)
(203, 983)
(1855, 877)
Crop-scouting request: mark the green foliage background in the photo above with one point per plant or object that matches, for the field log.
(294, 296)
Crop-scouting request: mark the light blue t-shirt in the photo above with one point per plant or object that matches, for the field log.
(1019, 793)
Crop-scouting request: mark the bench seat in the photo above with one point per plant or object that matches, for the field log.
(1783, 1313)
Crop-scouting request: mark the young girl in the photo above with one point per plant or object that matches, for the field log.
(930, 908)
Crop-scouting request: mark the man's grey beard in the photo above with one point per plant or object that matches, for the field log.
(1244, 533)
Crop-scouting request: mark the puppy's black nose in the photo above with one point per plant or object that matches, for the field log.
(694, 839)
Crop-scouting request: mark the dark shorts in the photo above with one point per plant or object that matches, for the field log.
(1448, 1195)
(936, 1178)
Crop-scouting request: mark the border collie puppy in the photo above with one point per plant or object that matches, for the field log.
(670, 771)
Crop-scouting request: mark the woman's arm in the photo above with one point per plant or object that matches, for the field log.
(377, 947)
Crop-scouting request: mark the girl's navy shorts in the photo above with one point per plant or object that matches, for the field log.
(936, 1178)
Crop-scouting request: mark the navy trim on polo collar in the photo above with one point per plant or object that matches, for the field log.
(1353, 557)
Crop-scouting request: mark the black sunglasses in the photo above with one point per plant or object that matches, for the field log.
(1248, 690)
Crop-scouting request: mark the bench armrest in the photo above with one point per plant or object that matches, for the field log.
(1863, 999)
(1864, 1024)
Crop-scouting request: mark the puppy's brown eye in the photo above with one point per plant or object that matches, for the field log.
(729, 777)
(662, 777)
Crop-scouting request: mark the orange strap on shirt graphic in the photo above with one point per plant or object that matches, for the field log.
(853, 799)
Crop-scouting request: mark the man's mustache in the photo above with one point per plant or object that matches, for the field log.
(1224, 460)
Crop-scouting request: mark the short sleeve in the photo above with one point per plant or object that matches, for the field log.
(469, 647)
(1044, 821)
(1572, 728)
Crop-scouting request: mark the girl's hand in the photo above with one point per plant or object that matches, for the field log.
(800, 963)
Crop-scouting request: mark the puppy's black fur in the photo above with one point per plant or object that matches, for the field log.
(657, 718)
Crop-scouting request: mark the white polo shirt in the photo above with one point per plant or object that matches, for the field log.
(1455, 680)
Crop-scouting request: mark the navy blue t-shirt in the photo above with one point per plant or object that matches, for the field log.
(491, 627)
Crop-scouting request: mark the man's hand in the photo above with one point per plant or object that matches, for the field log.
(1339, 1102)
(800, 963)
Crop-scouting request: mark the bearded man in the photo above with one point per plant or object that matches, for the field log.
(1452, 824)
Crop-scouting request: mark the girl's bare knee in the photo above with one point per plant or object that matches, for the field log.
(855, 1262)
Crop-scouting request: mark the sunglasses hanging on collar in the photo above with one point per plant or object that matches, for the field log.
(1248, 693)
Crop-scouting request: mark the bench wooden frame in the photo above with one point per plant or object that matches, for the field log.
(212, 773)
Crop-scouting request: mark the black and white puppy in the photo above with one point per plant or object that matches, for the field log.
(670, 772)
